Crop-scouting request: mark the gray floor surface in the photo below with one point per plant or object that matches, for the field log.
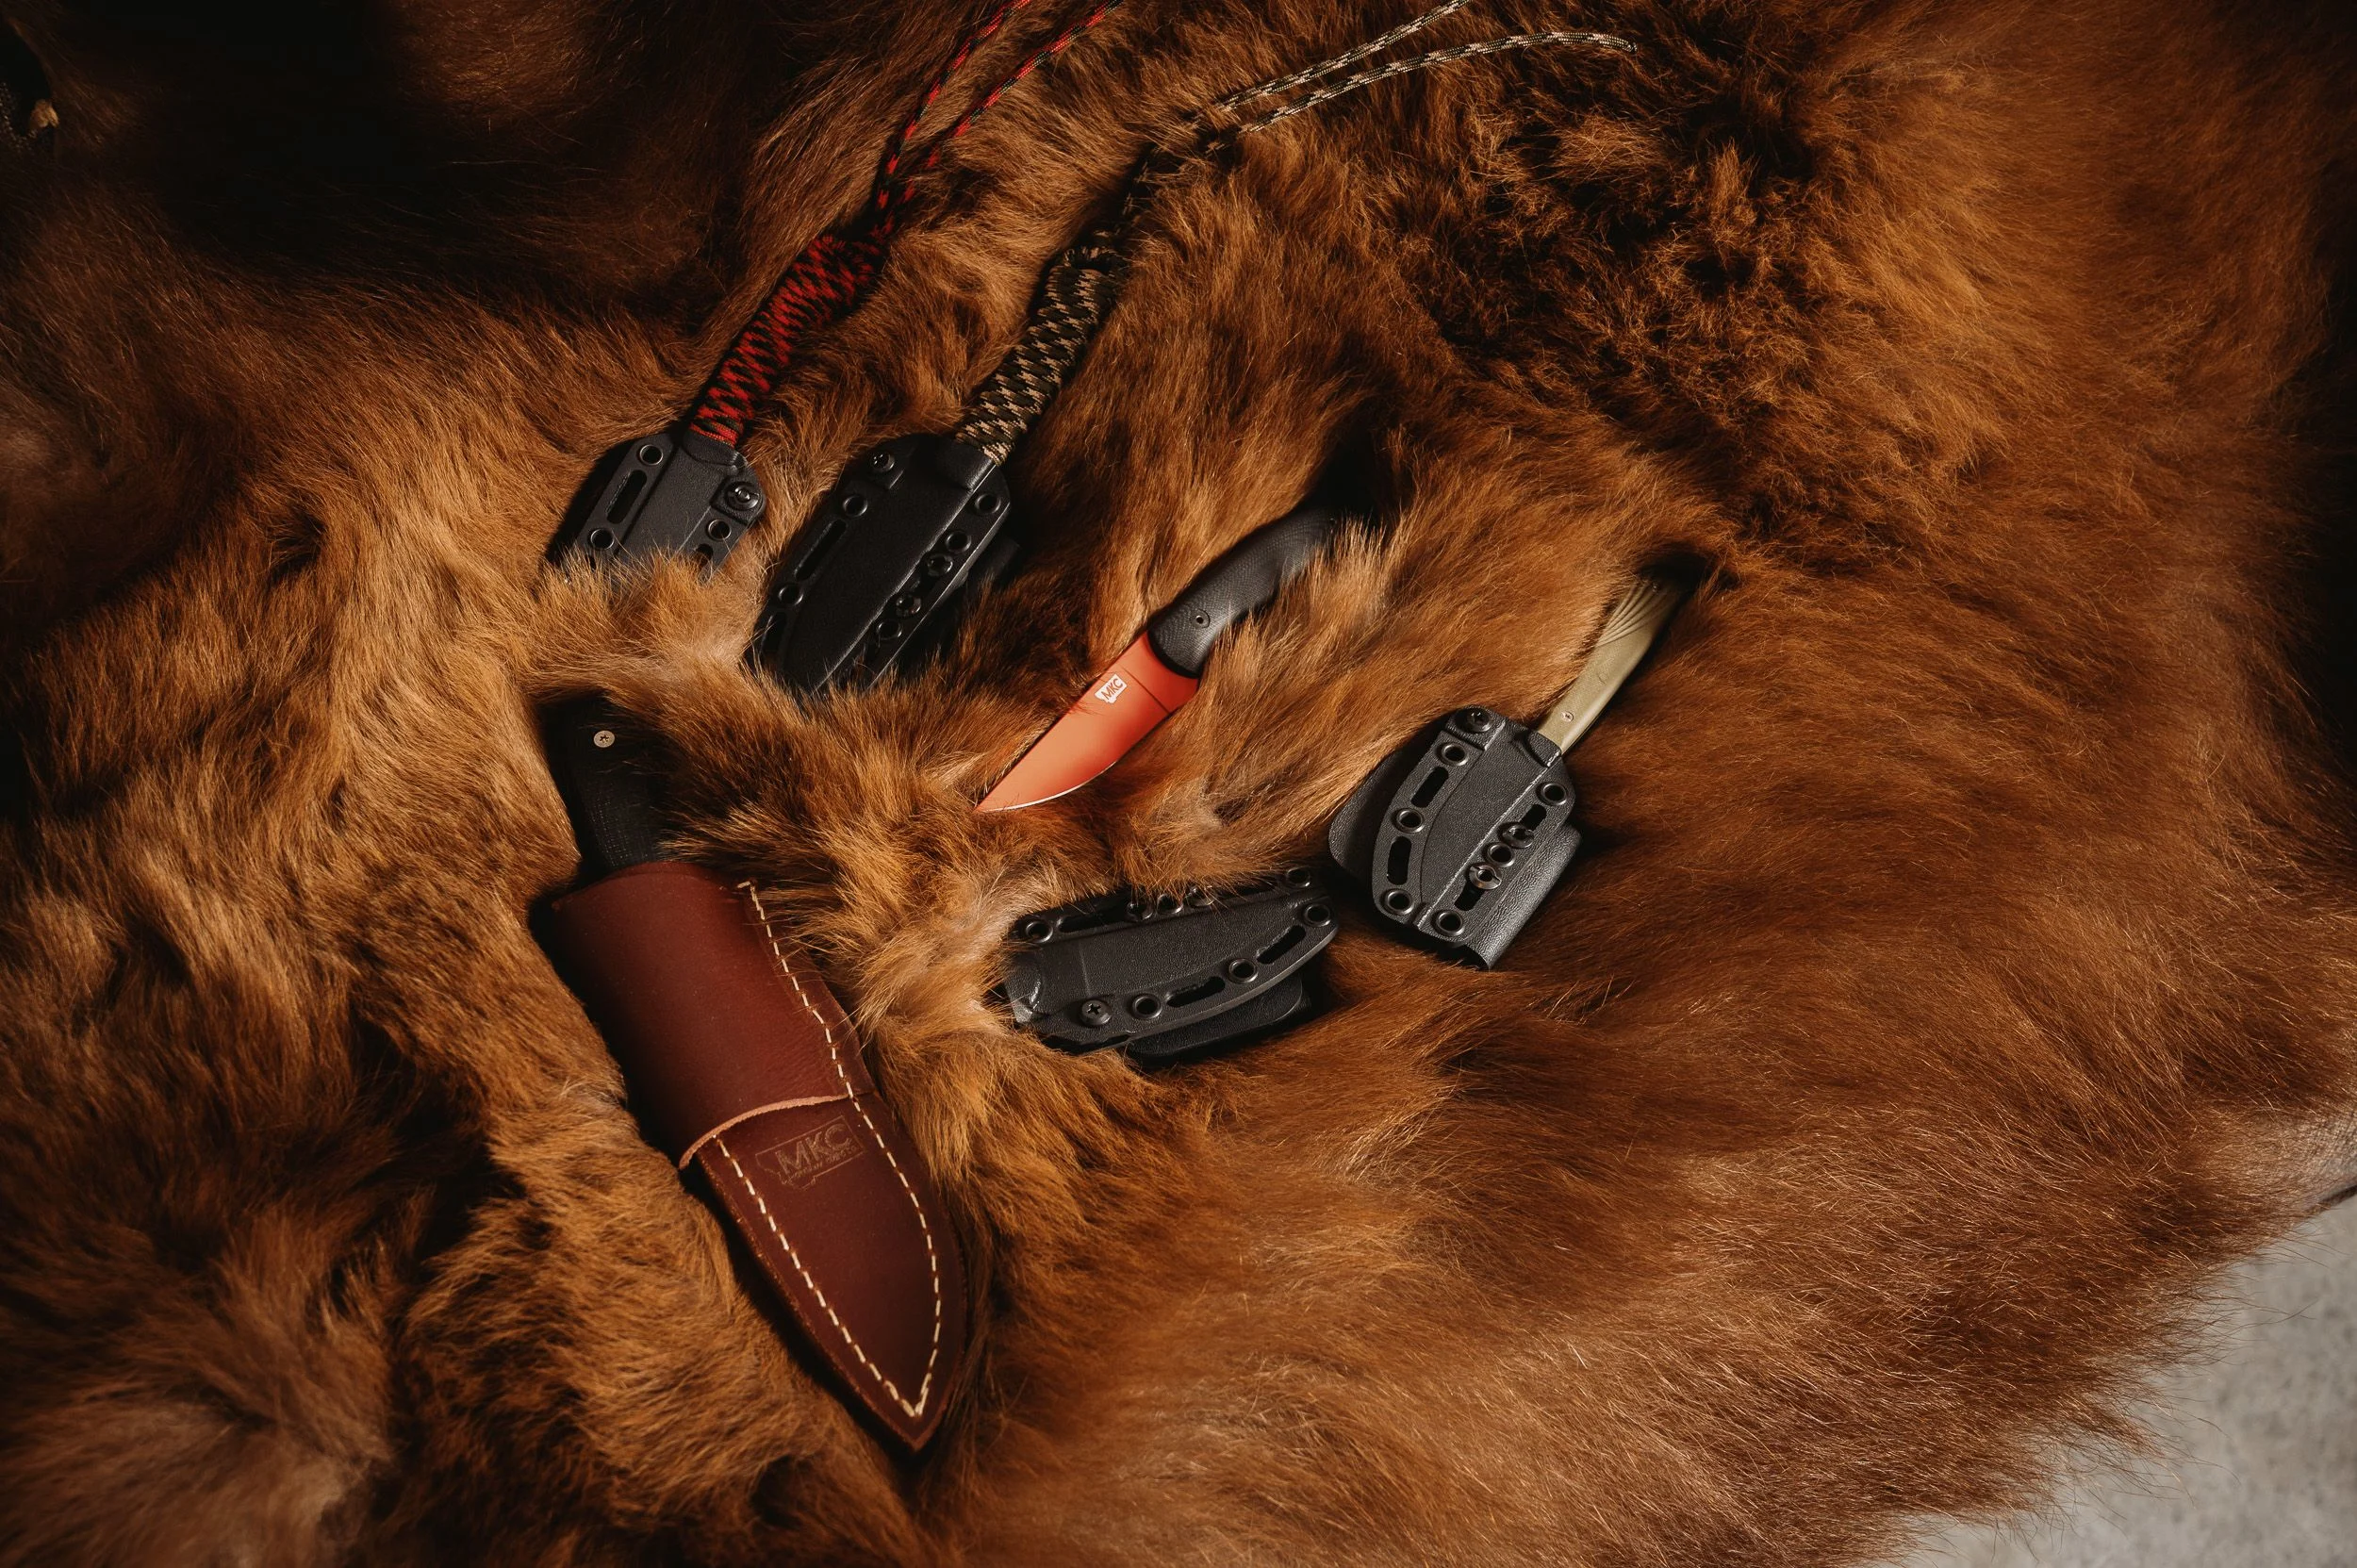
(2260, 1445)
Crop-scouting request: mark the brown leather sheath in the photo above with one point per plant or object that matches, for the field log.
(739, 1060)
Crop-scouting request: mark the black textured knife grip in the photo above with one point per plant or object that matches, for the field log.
(1239, 583)
(608, 795)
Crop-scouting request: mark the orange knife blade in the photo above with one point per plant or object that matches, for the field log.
(1119, 709)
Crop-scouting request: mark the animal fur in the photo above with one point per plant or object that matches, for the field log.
(1958, 973)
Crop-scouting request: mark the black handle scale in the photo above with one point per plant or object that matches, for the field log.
(670, 493)
(607, 794)
(1461, 834)
(874, 582)
(1170, 978)
(1251, 574)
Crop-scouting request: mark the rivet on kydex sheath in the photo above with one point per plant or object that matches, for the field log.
(1145, 1007)
(1399, 901)
(1096, 1014)
(1476, 719)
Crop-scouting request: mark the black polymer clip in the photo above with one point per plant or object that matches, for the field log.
(1461, 833)
(676, 492)
(873, 583)
(1173, 977)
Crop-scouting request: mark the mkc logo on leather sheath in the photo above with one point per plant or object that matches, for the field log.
(799, 1161)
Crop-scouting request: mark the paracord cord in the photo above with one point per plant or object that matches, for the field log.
(1081, 289)
(835, 270)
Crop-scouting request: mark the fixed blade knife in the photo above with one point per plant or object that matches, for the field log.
(1157, 674)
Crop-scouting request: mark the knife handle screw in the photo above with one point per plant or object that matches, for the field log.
(603, 739)
(1476, 719)
(882, 462)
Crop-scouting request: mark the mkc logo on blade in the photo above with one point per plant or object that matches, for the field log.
(1110, 691)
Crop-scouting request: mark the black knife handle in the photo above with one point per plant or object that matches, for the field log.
(607, 791)
(1248, 576)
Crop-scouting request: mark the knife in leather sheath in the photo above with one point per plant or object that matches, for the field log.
(740, 1063)
(1157, 675)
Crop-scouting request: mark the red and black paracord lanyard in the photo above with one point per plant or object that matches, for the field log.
(687, 490)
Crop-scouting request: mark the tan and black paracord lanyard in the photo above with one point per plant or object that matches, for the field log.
(874, 583)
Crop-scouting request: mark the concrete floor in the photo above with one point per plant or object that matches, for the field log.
(2260, 1445)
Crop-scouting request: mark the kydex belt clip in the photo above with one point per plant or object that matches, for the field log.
(917, 526)
(1174, 976)
(1461, 834)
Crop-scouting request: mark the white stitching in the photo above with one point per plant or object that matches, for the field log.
(932, 1258)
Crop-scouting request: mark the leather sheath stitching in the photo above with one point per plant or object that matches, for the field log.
(932, 1258)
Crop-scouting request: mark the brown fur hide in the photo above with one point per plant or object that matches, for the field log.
(1957, 975)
